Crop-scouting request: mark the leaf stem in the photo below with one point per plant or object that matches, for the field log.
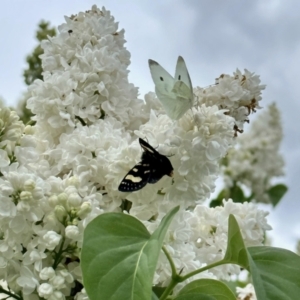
(175, 279)
(58, 257)
(172, 265)
(2, 290)
(215, 264)
(170, 287)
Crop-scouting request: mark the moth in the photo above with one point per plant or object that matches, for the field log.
(175, 93)
(152, 167)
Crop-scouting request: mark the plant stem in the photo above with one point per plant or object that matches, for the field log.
(2, 290)
(170, 287)
(58, 255)
(175, 279)
(173, 268)
(218, 263)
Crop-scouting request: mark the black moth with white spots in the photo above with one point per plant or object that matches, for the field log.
(150, 169)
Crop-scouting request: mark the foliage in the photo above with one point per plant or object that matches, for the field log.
(116, 264)
(35, 69)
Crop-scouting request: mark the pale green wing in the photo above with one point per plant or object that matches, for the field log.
(183, 84)
(164, 84)
(175, 107)
(182, 74)
(175, 96)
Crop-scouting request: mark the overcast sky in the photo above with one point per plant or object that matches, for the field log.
(214, 37)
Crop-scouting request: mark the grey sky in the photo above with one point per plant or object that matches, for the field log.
(214, 37)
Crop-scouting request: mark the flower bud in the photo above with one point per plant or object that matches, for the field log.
(29, 185)
(25, 196)
(53, 200)
(62, 199)
(73, 181)
(72, 232)
(84, 210)
(29, 130)
(60, 213)
(47, 273)
(74, 200)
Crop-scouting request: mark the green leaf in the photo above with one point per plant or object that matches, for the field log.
(275, 273)
(158, 290)
(237, 194)
(232, 285)
(276, 192)
(215, 202)
(219, 200)
(205, 289)
(197, 296)
(154, 297)
(119, 256)
(236, 252)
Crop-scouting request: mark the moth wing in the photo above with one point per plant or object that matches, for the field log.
(181, 107)
(174, 107)
(183, 89)
(163, 81)
(182, 74)
(148, 148)
(150, 159)
(155, 176)
(136, 178)
(160, 167)
(164, 84)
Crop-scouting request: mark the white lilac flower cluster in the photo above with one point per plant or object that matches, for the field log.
(68, 166)
(11, 130)
(256, 159)
(238, 94)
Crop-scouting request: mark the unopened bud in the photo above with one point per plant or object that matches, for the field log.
(29, 130)
(73, 181)
(60, 213)
(62, 199)
(74, 200)
(25, 196)
(72, 232)
(29, 185)
(84, 210)
(53, 200)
